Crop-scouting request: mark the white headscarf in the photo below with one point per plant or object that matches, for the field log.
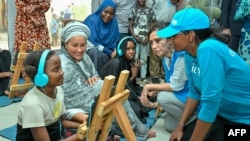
(74, 28)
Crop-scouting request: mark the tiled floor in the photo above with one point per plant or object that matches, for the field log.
(161, 133)
(8, 117)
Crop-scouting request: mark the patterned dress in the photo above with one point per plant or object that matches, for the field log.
(25, 29)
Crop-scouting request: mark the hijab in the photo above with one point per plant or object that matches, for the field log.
(105, 34)
(125, 64)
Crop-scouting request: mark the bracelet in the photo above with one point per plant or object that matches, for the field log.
(181, 124)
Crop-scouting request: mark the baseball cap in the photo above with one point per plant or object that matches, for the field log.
(185, 20)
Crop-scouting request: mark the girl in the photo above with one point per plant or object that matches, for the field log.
(126, 49)
(41, 109)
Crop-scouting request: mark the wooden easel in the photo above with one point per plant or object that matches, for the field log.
(106, 109)
(14, 86)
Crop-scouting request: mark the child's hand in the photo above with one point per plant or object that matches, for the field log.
(113, 54)
(138, 39)
(135, 66)
(136, 63)
(145, 42)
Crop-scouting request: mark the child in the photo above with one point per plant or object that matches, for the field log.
(54, 30)
(41, 109)
(5, 74)
(140, 20)
(125, 60)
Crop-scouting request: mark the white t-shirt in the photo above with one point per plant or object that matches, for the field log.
(163, 9)
(37, 109)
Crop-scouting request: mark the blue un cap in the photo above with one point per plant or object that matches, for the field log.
(185, 20)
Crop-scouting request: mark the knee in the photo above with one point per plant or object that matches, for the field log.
(162, 99)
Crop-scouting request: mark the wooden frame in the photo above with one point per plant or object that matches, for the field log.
(107, 109)
(15, 87)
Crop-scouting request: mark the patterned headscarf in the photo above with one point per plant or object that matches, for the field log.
(72, 29)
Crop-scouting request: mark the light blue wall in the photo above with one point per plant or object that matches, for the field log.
(11, 14)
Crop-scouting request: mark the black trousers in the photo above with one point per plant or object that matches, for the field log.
(215, 133)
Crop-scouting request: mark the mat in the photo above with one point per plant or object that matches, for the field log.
(9, 133)
(5, 100)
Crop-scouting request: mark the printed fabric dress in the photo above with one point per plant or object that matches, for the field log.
(25, 29)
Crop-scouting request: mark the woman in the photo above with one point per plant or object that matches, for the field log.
(81, 81)
(31, 25)
(172, 94)
(104, 34)
(125, 61)
(218, 78)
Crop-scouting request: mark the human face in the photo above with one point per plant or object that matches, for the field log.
(76, 47)
(141, 2)
(161, 47)
(130, 51)
(180, 41)
(54, 71)
(107, 14)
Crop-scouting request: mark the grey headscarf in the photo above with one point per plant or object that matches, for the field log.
(74, 28)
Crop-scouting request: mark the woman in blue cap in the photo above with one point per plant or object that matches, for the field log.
(218, 78)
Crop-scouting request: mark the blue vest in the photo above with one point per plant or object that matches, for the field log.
(181, 95)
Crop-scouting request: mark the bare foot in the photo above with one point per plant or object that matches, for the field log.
(117, 138)
(151, 133)
(114, 138)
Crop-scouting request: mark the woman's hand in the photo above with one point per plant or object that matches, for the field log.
(226, 31)
(34, 8)
(92, 80)
(35, 21)
(149, 104)
(177, 134)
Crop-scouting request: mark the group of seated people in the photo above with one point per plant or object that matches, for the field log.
(72, 83)
(67, 82)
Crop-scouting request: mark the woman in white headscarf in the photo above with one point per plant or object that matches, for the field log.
(81, 81)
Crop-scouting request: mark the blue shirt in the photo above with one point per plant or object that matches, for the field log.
(220, 79)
